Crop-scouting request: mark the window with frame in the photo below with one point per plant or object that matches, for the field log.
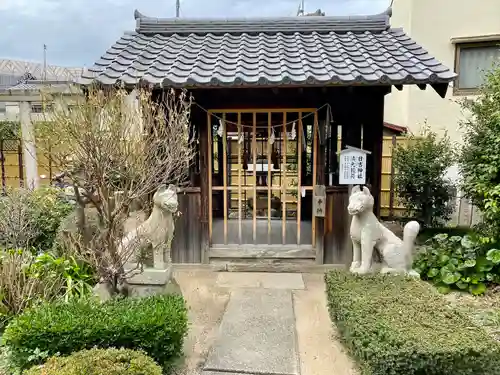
(40, 107)
(473, 61)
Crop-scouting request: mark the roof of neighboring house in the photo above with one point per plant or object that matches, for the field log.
(315, 50)
(14, 71)
(396, 128)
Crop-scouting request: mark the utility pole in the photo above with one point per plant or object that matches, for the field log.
(44, 74)
(177, 8)
(300, 11)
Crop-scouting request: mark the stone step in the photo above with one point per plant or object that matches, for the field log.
(256, 335)
(263, 265)
(263, 252)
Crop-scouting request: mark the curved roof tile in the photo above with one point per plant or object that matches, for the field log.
(268, 51)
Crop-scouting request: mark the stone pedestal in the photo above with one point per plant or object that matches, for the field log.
(153, 281)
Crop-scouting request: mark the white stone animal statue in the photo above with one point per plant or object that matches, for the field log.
(157, 230)
(367, 234)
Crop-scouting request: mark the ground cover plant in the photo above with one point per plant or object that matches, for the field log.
(459, 262)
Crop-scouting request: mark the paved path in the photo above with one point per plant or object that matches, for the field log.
(260, 324)
(257, 334)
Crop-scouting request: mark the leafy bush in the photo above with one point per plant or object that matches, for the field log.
(30, 219)
(156, 325)
(480, 153)
(420, 178)
(99, 362)
(49, 208)
(26, 279)
(79, 278)
(455, 262)
(393, 325)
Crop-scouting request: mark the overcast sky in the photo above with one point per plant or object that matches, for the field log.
(78, 32)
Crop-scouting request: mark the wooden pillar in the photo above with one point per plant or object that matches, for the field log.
(29, 146)
(320, 180)
(373, 122)
(351, 121)
(199, 120)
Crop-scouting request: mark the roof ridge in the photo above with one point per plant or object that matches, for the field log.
(269, 25)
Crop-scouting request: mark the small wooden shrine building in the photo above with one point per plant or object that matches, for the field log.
(273, 96)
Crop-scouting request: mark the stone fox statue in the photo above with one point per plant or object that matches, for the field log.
(157, 230)
(368, 233)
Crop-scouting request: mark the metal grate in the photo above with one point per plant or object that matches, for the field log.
(10, 145)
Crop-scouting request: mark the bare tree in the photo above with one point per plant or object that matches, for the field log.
(115, 153)
(18, 227)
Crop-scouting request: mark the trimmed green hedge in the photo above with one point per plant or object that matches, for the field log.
(157, 325)
(99, 362)
(393, 325)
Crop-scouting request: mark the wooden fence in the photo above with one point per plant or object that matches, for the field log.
(11, 163)
(389, 205)
(12, 175)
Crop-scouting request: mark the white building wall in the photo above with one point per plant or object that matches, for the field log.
(434, 24)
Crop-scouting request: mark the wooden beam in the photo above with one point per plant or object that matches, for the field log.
(299, 175)
(198, 117)
(269, 178)
(254, 162)
(314, 164)
(374, 127)
(239, 180)
(224, 172)
(209, 175)
(284, 181)
(320, 180)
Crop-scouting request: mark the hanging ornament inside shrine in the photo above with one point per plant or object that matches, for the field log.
(272, 138)
(245, 157)
(241, 139)
(293, 133)
(220, 131)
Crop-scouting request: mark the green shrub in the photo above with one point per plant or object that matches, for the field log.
(30, 218)
(48, 209)
(420, 180)
(156, 325)
(454, 262)
(480, 156)
(27, 279)
(393, 325)
(99, 362)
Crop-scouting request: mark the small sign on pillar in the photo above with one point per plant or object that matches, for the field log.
(352, 168)
(319, 202)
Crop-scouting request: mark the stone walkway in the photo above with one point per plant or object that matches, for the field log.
(259, 324)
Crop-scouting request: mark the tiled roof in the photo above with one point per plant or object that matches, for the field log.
(277, 51)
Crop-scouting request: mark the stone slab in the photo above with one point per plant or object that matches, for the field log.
(151, 276)
(238, 280)
(260, 280)
(226, 373)
(145, 290)
(256, 335)
(283, 281)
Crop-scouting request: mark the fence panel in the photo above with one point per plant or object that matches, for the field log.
(11, 163)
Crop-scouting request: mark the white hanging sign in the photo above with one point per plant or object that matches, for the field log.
(352, 168)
